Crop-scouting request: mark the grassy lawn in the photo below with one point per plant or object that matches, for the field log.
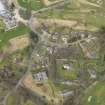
(5, 36)
(29, 102)
(91, 19)
(10, 100)
(72, 12)
(67, 74)
(62, 87)
(97, 94)
(31, 4)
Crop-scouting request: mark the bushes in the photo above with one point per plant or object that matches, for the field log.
(25, 14)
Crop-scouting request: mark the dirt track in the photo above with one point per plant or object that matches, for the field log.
(86, 2)
(47, 2)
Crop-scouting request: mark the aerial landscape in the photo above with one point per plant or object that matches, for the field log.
(52, 52)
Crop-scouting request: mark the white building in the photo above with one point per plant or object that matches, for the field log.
(40, 76)
(67, 67)
(3, 9)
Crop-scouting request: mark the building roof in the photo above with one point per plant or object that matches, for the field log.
(2, 8)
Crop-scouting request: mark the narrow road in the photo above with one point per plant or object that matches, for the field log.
(87, 2)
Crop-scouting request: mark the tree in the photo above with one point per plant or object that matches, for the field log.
(34, 37)
(12, 6)
(101, 38)
(26, 14)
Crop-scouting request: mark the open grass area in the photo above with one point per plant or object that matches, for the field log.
(29, 102)
(96, 95)
(62, 87)
(6, 36)
(10, 100)
(85, 14)
(91, 19)
(72, 74)
(31, 4)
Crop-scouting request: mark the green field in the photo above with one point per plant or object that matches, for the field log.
(28, 102)
(31, 4)
(91, 19)
(5, 36)
(10, 100)
(97, 94)
(67, 74)
(85, 14)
